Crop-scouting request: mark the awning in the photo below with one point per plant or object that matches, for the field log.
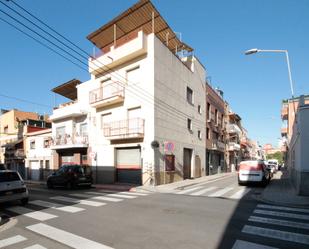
(68, 89)
(140, 16)
(11, 144)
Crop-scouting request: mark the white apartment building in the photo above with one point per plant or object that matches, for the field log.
(141, 117)
(38, 155)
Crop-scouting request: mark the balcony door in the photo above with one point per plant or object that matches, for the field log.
(134, 116)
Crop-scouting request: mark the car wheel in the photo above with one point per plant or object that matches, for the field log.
(24, 201)
(49, 185)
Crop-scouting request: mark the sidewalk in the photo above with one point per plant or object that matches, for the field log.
(281, 192)
(180, 185)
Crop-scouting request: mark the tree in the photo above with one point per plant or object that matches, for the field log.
(278, 155)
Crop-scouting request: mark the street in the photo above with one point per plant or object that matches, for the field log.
(214, 214)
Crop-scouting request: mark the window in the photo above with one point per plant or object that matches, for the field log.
(208, 111)
(169, 162)
(46, 143)
(105, 120)
(216, 116)
(47, 166)
(199, 109)
(83, 130)
(60, 131)
(32, 145)
(199, 134)
(189, 95)
(6, 129)
(222, 120)
(189, 124)
(207, 133)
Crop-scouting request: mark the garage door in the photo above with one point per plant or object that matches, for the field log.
(35, 170)
(128, 165)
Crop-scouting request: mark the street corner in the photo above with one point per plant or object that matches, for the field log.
(6, 222)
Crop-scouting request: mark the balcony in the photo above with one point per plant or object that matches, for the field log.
(68, 141)
(67, 110)
(108, 94)
(125, 49)
(218, 145)
(234, 146)
(124, 129)
(284, 131)
(284, 112)
(233, 128)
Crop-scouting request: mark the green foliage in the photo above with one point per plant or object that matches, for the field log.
(277, 155)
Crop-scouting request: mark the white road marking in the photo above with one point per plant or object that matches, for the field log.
(133, 193)
(241, 244)
(66, 238)
(37, 215)
(276, 234)
(282, 214)
(69, 209)
(122, 196)
(285, 223)
(220, 192)
(203, 191)
(189, 190)
(11, 241)
(99, 198)
(73, 200)
(241, 193)
(36, 246)
(283, 208)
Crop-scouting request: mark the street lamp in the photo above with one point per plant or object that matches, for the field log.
(255, 50)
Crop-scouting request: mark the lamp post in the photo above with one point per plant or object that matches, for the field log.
(255, 50)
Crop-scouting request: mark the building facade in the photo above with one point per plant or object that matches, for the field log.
(215, 131)
(142, 111)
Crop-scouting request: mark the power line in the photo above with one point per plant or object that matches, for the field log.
(25, 101)
(123, 84)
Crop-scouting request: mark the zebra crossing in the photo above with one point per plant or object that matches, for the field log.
(273, 222)
(72, 203)
(69, 203)
(229, 192)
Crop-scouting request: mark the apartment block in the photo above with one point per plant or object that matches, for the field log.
(141, 118)
(215, 131)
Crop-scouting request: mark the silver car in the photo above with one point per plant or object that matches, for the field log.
(12, 187)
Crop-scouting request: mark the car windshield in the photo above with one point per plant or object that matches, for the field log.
(9, 177)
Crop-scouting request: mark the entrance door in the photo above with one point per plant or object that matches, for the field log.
(128, 165)
(187, 158)
(35, 170)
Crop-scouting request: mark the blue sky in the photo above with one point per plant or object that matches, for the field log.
(219, 31)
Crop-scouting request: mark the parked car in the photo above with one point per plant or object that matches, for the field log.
(274, 163)
(12, 187)
(70, 176)
(253, 171)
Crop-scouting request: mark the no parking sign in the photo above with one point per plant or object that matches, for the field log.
(169, 146)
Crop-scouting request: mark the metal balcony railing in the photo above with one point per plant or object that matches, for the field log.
(68, 139)
(106, 92)
(128, 128)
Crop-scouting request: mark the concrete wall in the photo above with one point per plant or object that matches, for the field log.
(298, 156)
(172, 78)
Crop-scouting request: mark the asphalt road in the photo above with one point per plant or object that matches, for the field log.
(218, 214)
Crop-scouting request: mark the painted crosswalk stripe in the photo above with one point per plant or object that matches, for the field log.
(102, 196)
(283, 208)
(281, 214)
(241, 193)
(99, 198)
(276, 234)
(122, 196)
(133, 193)
(203, 191)
(66, 238)
(36, 246)
(241, 244)
(37, 215)
(188, 190)
(220, 192)
(285, 223)
(77, 201)
(11, 241)
(47, 204)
